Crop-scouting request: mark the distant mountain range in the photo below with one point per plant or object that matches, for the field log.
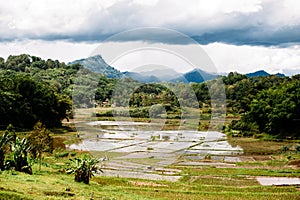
(263, 73)
(142, 77)
(97, 64)
(196, 75)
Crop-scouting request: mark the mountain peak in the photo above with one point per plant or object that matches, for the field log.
(97, 64)
(258, 73)
(263, 73)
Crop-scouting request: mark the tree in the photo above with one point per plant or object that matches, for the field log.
(84, 168)
(275, 111)
(24, 101)
(40, 141)
(2, 63)
(18, 63)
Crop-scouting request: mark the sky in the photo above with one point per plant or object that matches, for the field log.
(237, 35)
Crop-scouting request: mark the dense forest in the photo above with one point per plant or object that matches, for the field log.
(33, 89)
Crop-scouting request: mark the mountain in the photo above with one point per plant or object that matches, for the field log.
(258, 73)
(159, 75)
(97, 64)
(263, 73)
(141, 78)
(160, 72)
(152, 74)
(196, 75)
(280, 75)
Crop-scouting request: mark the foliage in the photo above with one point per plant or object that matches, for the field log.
(285, 148)
(84, 168)
(266, 105)
(32, 89)
(9, 136)
(274, 111)
(5, 137)
(40, 141)
(20, 149)
(297, 148)
(24, 101)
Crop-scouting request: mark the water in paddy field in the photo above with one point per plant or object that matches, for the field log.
(278, 181)
(137, 151)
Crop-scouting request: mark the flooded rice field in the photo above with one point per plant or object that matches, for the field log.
(278, 181)
(141, 153)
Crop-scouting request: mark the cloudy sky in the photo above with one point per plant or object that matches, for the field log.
(238, 35)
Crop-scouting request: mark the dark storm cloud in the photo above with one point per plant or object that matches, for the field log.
(262, 23)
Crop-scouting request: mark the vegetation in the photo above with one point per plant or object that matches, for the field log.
(268, 105)
(20, 162)
(37, 143)
(196, 182)
(40, 141)
(33, 89)
(83, 168)
(5, 137)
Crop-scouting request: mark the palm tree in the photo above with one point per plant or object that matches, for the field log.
(84, 168)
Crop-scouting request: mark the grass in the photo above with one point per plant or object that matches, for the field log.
(253, 146)
(196, 183)
(240, 172)
(49, 184)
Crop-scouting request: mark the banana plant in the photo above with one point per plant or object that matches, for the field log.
(84, 168)
(20, 149)
(3, 144)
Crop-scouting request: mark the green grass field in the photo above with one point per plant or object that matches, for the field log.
(206, 183)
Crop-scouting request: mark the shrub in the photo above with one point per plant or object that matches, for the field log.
(20, 150)
(61, 154)
(3, 143)
(284, 148)
(84, 168)
(297, 149)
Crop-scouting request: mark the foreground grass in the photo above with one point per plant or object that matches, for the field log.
(205, 183)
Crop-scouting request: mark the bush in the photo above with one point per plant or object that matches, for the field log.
(3, 143)
(20, 160)
(140, 112)
(61, 154)
(83, 168)
(297, 149)
(284, 149)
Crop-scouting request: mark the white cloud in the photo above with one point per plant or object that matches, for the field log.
(245, 59)
(61, 50)
(92, 19)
